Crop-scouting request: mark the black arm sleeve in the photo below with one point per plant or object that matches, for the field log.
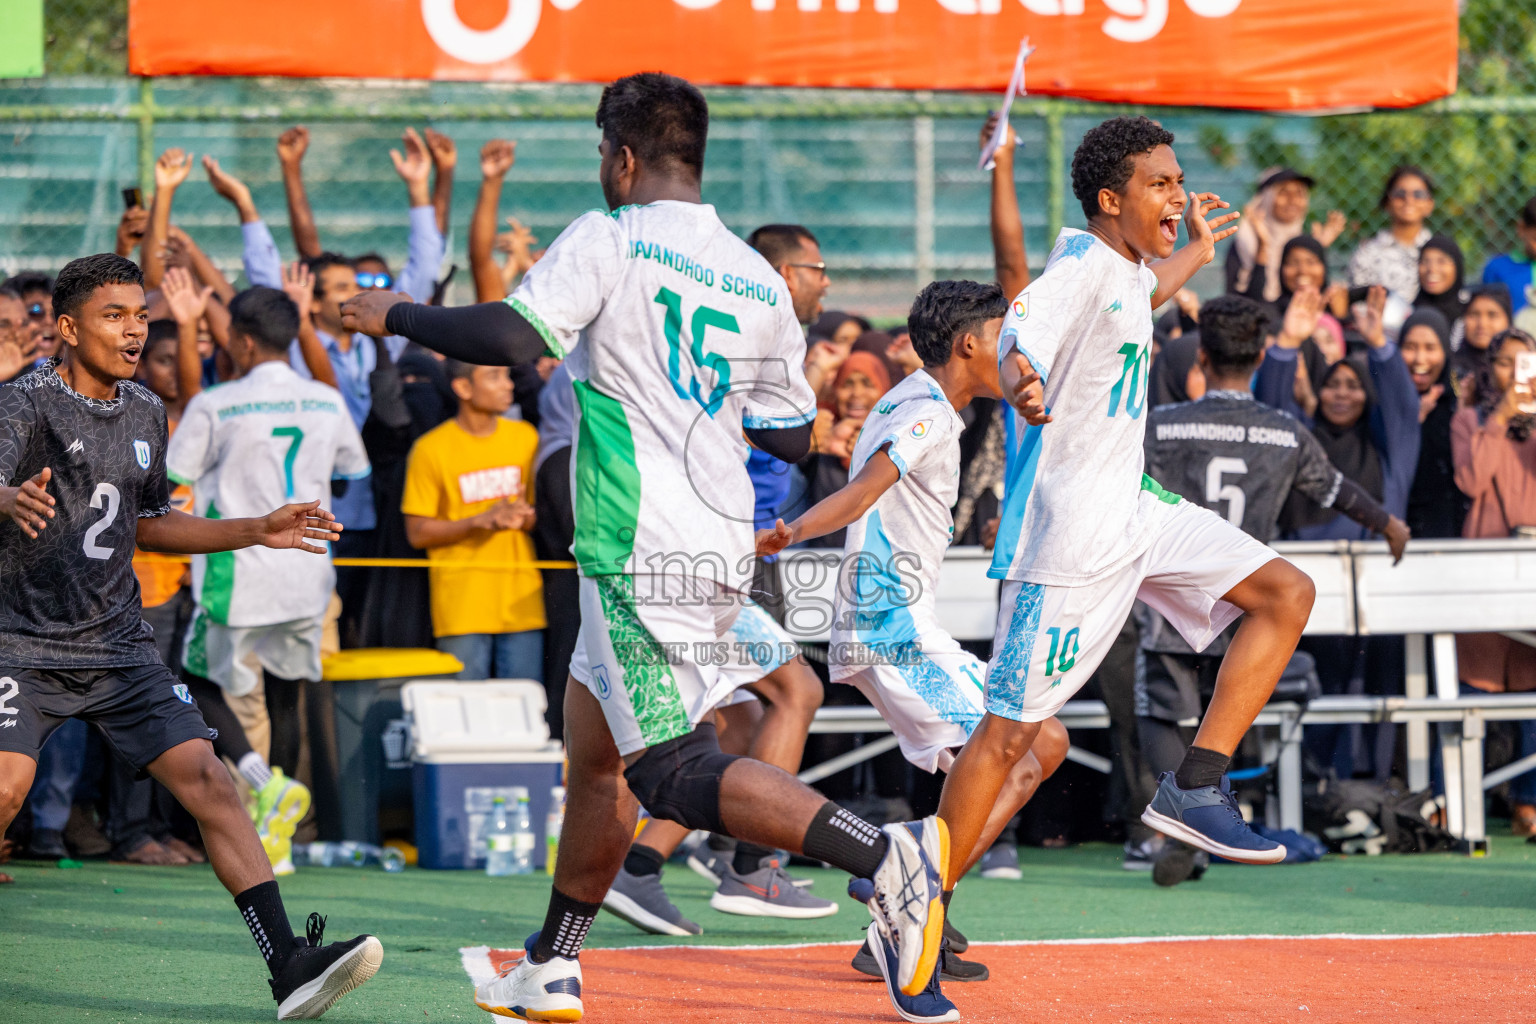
(1356, 502)
(787, 444)
(486, 334)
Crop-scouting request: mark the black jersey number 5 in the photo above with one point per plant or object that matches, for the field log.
(107, 497)
(1217, 490)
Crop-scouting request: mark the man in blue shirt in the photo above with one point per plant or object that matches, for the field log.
(1517, 271)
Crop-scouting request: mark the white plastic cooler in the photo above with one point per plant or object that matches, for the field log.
(472, 742)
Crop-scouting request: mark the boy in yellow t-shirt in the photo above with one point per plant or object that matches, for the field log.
(468, 498)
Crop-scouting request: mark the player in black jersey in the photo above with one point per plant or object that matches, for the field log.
(82, 479)
(1241, 459)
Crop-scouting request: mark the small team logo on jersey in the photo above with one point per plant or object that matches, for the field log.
(920, 430)
(600, 674)
(1113, 307)
(181, 692)
(1021, 307)
(141, 452)
(78, 446)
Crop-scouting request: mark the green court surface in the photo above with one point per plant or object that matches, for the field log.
(106, 943)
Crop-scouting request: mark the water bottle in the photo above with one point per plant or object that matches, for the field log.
(553, 823)
(392, 860)
(523, 838)
(330, 855)
(499, 842)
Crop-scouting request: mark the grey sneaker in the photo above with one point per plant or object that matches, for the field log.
(710, 863)
(640, 900)
(768, 892)
(1001, 861)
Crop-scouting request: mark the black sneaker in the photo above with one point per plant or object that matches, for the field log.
(957, 942)
(1175, 864)
(47, 844)
(951, 967)
(316, 976)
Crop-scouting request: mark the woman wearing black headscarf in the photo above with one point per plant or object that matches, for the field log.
(1488, 315)
(1303, 264)
(1442, 269)
(1435, 506)
(1368, 424)
(1173, 372)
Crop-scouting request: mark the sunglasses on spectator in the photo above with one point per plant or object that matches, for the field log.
(819, 267)
(35, 311)
(1408, 193)
(367, 280)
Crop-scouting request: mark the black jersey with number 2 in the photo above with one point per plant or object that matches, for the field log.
(69, 599)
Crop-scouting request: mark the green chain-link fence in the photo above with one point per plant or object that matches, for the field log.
(888, 180)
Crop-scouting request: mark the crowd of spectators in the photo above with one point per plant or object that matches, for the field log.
(1404, 371)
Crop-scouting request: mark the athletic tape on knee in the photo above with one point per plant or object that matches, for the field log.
(679, 780)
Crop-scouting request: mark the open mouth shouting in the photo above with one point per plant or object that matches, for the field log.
(1169, 226)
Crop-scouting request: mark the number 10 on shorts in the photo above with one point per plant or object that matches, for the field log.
(1063, 654)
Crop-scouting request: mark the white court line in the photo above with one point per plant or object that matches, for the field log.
(483, 952)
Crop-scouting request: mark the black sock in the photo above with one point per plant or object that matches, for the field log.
(845, 841)
(720, 843)
(949, 894)
(642, 860)
(262, 907)
(566, 924)
(749, 857)
(1201, 767)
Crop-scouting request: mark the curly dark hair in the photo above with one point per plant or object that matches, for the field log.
(80, 278)
(946, 310)
(1232, 332)
(661, 118)
(1106, 157)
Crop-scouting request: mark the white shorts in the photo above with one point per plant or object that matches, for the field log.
(1049, 640)
(930, 692)
(660, 653)
(757, 646)
(234, 656)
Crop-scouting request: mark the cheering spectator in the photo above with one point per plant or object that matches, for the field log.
(1008, 255)
(1275, 215)
(1488, 315)
(1435, 506)
(1367, 420)
(1390, 258)
(831, 338)
(1441, 288)
(18, 339)
(859, 383)
(496, 159)
(1495, 457)
(36, 291)
(467, 490)
(1516, 271)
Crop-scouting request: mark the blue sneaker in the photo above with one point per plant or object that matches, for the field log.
(929, 1005)
(1207, 818)
(908, 904)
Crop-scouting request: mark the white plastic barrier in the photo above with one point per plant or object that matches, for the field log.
(1440, 588)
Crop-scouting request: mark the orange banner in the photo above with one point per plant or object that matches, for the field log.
(1262, 54)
